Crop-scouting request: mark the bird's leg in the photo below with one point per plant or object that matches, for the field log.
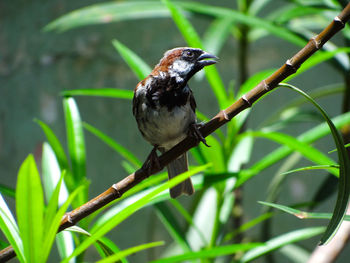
(151, 161)
(194, 132)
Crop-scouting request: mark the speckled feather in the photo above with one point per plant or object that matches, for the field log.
(164, 106)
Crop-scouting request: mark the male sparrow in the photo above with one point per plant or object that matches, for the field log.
(164, 107)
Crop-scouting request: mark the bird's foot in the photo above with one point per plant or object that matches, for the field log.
(152, 161)
(194, 132)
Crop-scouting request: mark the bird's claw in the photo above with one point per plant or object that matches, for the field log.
(152, 161)
(194, 132)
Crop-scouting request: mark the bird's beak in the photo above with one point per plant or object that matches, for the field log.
(204, 59)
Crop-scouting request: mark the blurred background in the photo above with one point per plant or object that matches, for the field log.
(37, 65)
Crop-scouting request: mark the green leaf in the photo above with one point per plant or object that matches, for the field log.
(192, 38)
(138, 66)
(217, 34)
(100, 92)
(129, 251)
(50, 232)
(344, 172)
(346, 146)
(103, 13)
(244, 227)
(172, 225)
(305, 149)
(9, 228)
(307, 137)
(106, 247)
(208, 253)
(242, 18)
(214, 154)
(177, 205)
(314, 167)
(55, 145)
(280, 241)
(124, 152)
(8, 191)
(30, 210)
(301, 214)
(129, 210)
(75, 137)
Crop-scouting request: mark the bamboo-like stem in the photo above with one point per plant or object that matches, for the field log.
(246, 101)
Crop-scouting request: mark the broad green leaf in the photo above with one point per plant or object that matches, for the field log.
(280, 241)
(129, 251)
(344, 172)
(10, 230)
(309, 136)
(30, 210)
(55, 145)
(103, 13)
(100, 92)
(129, 210)
(209, 253)
(172, 225)
(301, 214)
(138, 66)
(192, 38)
(124, 152)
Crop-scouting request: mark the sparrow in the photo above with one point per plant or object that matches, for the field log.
(164, 107)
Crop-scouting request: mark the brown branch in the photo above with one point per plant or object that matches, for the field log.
(246, 101)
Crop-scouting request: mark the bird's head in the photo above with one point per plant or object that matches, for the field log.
(182, 63)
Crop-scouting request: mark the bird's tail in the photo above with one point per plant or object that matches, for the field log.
(175, 168)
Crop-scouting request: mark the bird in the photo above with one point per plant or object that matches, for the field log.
(164, 108)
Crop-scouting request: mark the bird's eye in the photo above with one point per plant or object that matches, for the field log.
(189, 53)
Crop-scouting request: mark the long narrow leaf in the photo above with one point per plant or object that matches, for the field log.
(307, 137)
(30, 210)
(280, 241)
(209, 253)
(344, 173)
(305, 149)
(9, 228)
(125, 213)
(129, 251)
(125, 153)
(108, 12)
(101, 92)
(172, 225)
(55, 145)
(301, 214)
(138, 66)
(75, 137)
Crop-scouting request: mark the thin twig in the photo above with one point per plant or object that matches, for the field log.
(246, 101)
